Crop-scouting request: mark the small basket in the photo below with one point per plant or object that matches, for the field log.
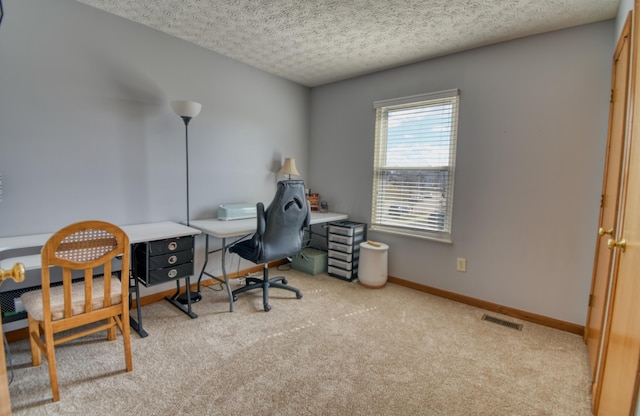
(314, 201)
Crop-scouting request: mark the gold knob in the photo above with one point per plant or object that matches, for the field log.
(622, 244)
(602, 231)
(16, 273)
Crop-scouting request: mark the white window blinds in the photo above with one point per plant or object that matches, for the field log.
(414, 164)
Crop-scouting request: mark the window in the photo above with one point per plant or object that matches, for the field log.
(414, 164)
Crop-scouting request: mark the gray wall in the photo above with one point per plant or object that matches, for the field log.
(623, 10)
(86, 129)
(531, 145)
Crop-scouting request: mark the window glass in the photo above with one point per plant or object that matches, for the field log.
(414, 164)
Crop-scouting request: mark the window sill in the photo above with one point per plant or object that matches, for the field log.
(425, 235)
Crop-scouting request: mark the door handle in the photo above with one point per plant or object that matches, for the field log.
(602, 231)
(622, 244)
(16, 273)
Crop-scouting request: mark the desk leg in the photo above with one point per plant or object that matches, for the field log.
(206, 260)
(136, 325)
(224, 280)
(174, 302)
(224, 274)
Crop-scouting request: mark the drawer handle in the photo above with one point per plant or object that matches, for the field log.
(173, 259)
(173, 273)
(173, 245)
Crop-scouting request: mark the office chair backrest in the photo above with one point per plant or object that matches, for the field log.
(284, 221)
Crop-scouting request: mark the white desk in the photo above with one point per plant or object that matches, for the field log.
(138, 233)
(240, 229)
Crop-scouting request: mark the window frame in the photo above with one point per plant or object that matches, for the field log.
(382, 217)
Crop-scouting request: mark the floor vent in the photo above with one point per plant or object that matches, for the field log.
(502, 322)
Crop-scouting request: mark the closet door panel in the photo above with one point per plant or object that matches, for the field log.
(598, 301)
(618, 388)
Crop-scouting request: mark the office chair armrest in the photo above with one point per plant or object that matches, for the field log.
(307, 220)
(262, 218)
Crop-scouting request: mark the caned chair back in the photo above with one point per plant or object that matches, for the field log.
(90, 247)
(93, 250)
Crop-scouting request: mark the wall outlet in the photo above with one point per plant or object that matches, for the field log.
(461, 264)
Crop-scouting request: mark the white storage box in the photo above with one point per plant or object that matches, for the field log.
(236, 211)
(372, 272)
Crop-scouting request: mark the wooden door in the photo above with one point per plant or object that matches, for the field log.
(595, 330)
(618, 384)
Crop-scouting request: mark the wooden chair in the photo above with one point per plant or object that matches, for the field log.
(72, 310)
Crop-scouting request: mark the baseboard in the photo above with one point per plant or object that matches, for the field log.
(493, 307)
(23, 333)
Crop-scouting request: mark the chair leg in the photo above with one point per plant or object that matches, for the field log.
(111, 332)
(126, 339)
(264, 284)
(51, 361)
(287, 287)
(34, 332)
(265, 296)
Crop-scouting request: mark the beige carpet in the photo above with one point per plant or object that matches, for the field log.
(340, 350)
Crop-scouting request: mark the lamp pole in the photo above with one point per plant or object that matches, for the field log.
(186, 141)
(187, 110)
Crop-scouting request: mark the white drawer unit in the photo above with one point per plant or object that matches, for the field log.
(343, 244)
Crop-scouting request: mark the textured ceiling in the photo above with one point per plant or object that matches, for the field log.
(316, 42)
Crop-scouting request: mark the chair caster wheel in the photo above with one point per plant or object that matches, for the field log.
(284, 281)
(235, 298)
(267, 308)
(299, 296)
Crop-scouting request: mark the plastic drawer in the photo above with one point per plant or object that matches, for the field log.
(345, 248)
(348, 228)
(344, 256)
(345, 265)
(344, 239)
(343, 274)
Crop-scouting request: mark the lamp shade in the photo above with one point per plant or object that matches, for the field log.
(289, 167)
(186, 108)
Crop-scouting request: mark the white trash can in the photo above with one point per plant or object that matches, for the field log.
(372, 265)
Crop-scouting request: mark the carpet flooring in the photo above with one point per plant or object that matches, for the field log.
(342, 349)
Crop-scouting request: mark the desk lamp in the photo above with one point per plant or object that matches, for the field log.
(289, 167)
(187, 110)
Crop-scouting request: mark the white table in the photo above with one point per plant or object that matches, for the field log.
(138, 233)
(240, 229)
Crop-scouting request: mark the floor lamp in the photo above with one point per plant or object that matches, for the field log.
(187, 110)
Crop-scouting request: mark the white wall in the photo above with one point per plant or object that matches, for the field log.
(86, 129)
(531, 144)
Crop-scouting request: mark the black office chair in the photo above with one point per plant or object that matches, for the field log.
(279, 234)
